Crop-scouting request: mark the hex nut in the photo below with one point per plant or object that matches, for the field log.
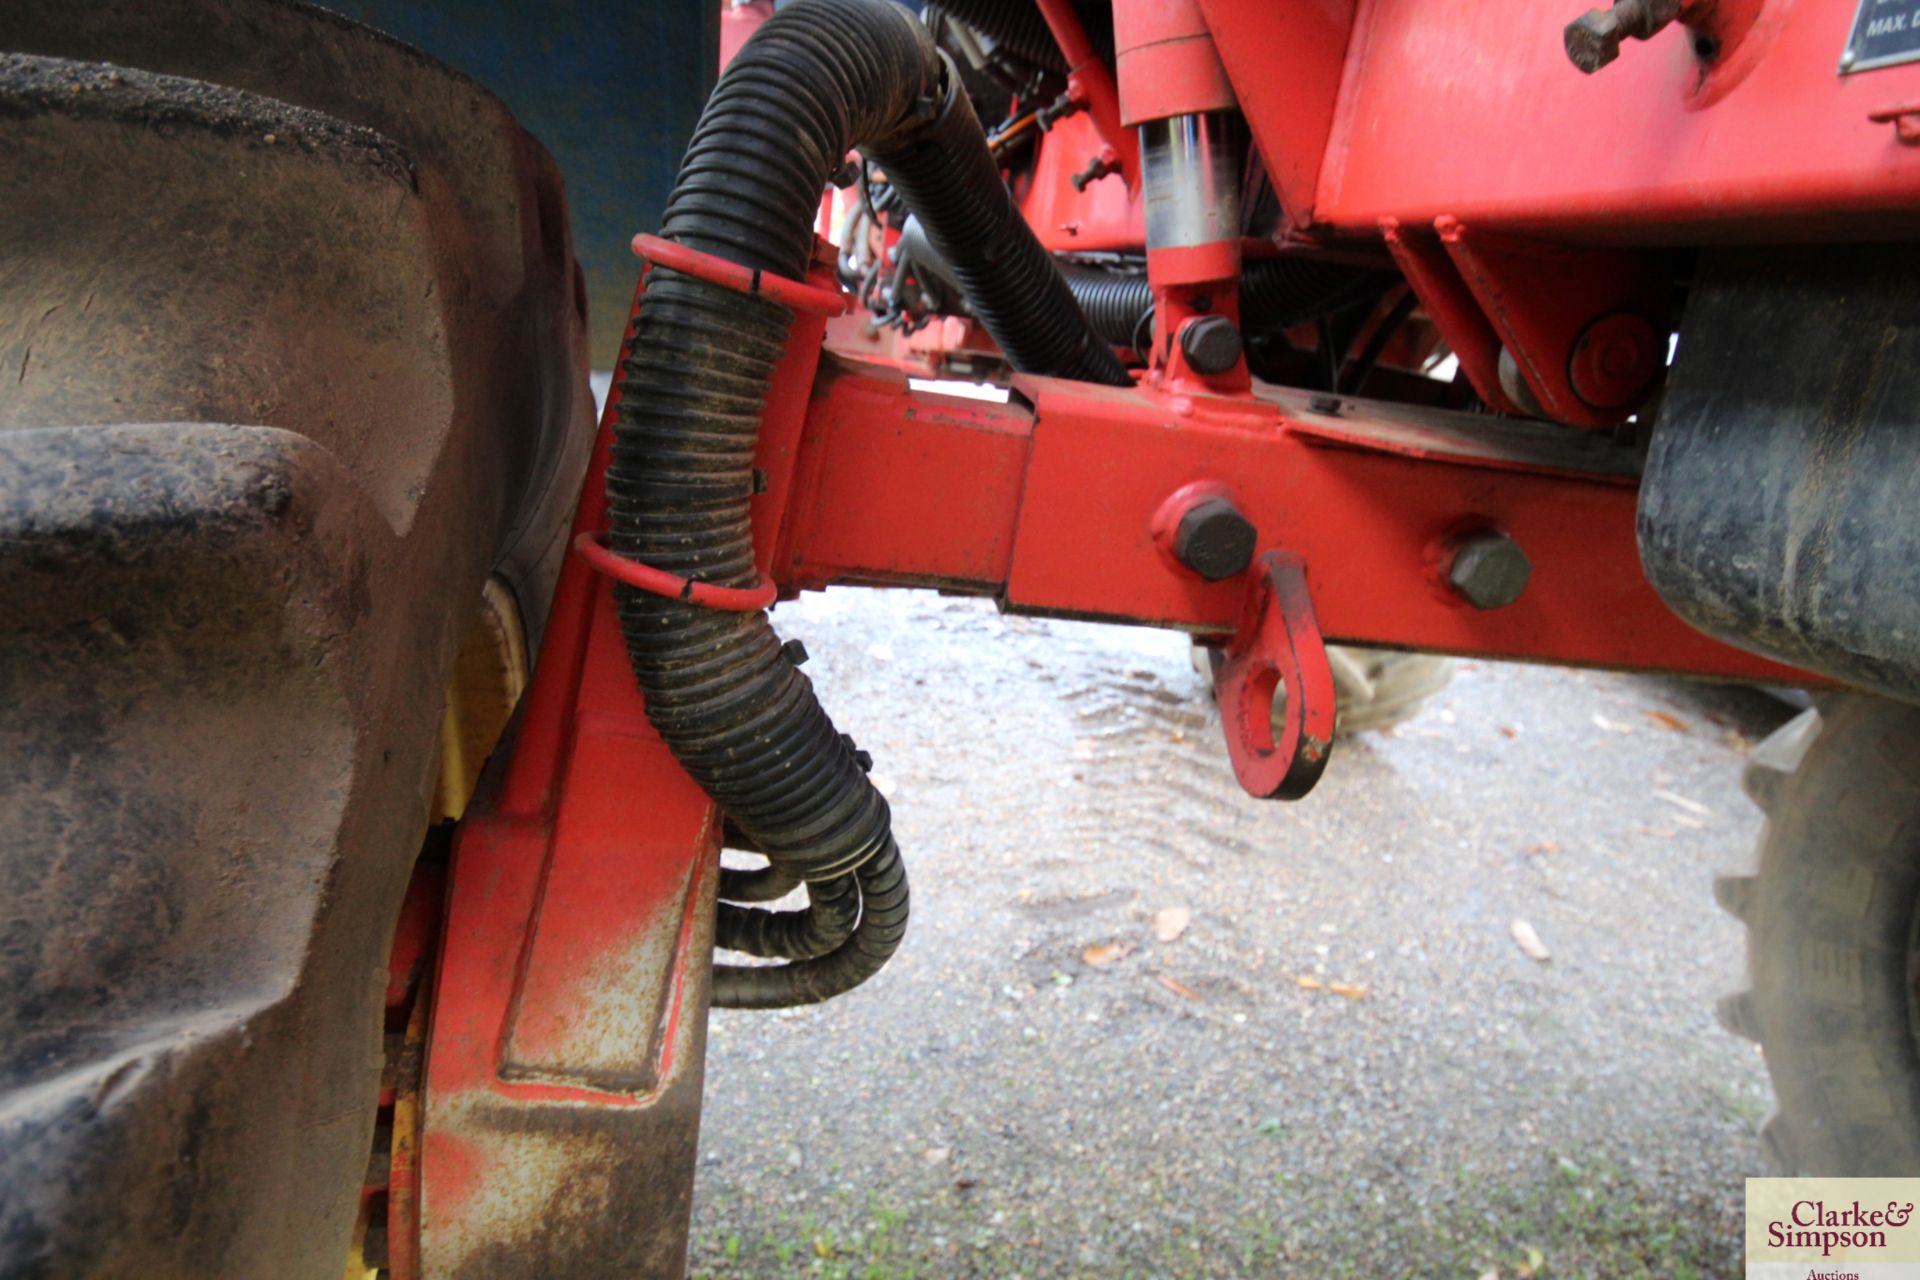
(1593, 40)
(1211, 344)
(1490, 571)
(1214, 540)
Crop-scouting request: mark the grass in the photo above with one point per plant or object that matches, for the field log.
(1587, 1218)
(1555, 1220)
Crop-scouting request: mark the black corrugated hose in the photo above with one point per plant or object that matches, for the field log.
(818, 78)
(1274, 293)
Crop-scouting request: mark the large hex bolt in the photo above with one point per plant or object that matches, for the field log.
(1211, 344)
(1593, 39)
(1214, 540)
(1489, 570)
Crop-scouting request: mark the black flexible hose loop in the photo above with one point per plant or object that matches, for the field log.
(1274, 293)
(762, 884)
(818, 78)
(1115, 302)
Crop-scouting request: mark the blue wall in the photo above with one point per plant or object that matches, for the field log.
(612, 90)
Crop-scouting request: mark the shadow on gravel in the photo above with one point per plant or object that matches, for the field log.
(1146, 1026)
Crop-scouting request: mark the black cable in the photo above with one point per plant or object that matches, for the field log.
(1363, 364)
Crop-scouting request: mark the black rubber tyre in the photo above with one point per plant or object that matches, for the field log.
(1830, 910)
(295, 360)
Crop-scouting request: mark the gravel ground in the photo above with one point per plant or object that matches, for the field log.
(1039, 1085)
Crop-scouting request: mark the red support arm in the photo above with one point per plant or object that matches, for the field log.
(1050, 508)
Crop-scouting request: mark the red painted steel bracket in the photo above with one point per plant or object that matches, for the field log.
(1090, 82)
(1451, 306)
(1586, 327)
(1275, 687)
(568, 1040)
(1286, 63)
(569, 1026)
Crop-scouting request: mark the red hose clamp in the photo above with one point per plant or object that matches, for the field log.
(644, 577)
(740, 278)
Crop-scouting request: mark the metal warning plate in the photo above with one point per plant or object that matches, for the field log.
(1884, 32)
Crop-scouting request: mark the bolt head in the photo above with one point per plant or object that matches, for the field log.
(1214, 540)
(1490, 571)
(1211, 344)
(1593, 39)
(1615, 361)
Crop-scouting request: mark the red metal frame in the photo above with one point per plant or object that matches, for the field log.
(575, 959)
(1106, 216)
(1063, 482)
(1090, 82)
(573, 972)
(1473, 111)
(1456, 129)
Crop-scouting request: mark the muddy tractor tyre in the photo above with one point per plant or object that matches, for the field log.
(1831, 908)
(294, 352)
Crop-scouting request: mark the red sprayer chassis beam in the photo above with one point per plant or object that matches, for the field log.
(1048, 502)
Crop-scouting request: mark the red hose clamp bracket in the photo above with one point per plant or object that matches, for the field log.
(1275, 686)
(644, 577)
(740, 278)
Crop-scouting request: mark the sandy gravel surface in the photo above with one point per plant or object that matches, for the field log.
(1043, 1084)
